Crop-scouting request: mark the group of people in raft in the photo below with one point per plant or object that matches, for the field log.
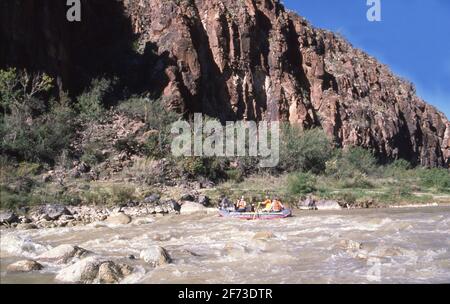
(268, 205)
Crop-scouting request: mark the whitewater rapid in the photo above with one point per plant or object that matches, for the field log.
(397, 246)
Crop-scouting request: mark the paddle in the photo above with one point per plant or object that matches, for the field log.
(257, 210)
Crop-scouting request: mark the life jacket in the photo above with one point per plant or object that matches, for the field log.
(267, 204)
(277, 206)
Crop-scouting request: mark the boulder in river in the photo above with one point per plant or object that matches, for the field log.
(83, 271)
(235, 249)
(263, 235)
(204, 200)
(26, 226)
(119, 218)
(111, 273)
(94, 270)
(327, 205)
(155, 255)
(308, 204)
(191, 207)
(174, 205)
(24, 266)
(350, 245)
(8, 217)
(63, 253)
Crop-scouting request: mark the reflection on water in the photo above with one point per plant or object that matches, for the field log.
(404, 245)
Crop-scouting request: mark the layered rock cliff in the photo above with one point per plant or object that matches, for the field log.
(242, 59)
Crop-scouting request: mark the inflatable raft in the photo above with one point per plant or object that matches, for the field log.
(256, 215)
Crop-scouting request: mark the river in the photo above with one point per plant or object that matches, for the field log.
(408, 245)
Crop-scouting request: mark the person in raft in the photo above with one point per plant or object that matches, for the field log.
(277, 206)
(241, 205)
(267, 205)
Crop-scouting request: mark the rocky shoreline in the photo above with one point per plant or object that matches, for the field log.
(58, 215)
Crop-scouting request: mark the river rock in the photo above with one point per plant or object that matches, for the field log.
(226, 204)
(53, 211)
(350, 245)
(47, 177)
(26, 226)
(8, 217)
(45, 224)
(83, 271)
(66, 217)
(109, 273)
(155, 255)
(308, 204)
(187, 197)
(327, 205)
(24, 220)
(204, 200)
(63, 253)
(153, 198)
(384, 251)
(24, 266)
(144, 221)
(235, 249)
(263, 235)
(174, 205)
(191, 207)
(119, 218)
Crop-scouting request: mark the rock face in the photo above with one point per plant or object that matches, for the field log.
(235, 60)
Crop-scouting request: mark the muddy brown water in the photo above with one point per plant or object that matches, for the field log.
(398, 246)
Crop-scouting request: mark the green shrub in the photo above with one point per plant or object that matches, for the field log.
(301, 183)
(28, 169)
(136, 107)
(304, 150)
(39, 139)
(128, 145)
(360, 182)
(12, 200)
(347, 197)
(122, 194)
(208, 167)
(235, 175)
(192, 166)
(92, 154)
(31, 129)
(20, 90)
(398, 169)
(351, 163)
(158, 119)
(90, 103)
(435, 178)
(401, 164)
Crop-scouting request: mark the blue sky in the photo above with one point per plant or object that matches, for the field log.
(413, 38)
